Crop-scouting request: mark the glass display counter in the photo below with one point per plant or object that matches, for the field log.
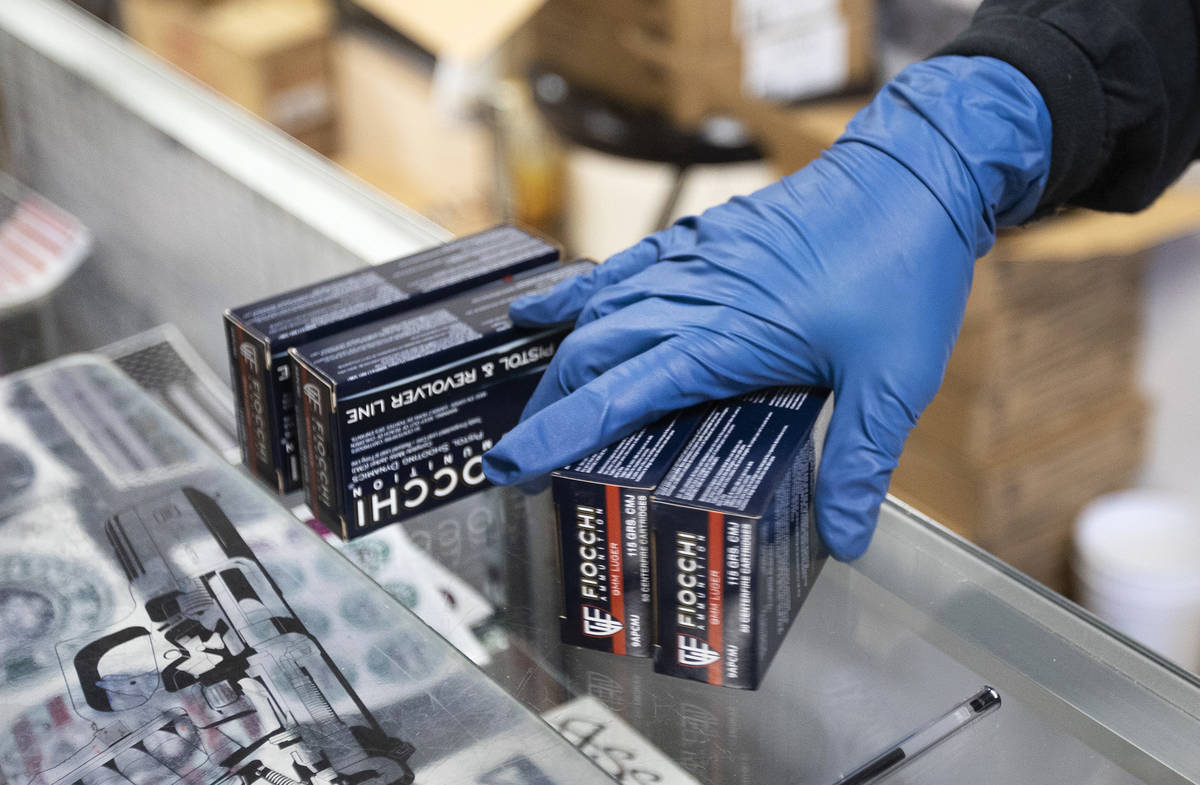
(880, 647)
(166, 620)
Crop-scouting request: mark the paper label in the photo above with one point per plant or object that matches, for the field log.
(798, 61)
(622, 752)
(752, 16)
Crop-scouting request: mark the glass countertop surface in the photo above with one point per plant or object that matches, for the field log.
(152, 592)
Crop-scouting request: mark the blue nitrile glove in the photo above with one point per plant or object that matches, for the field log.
(851, 273)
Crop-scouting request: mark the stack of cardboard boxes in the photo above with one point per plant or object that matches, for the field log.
(271, 56)
(694, 59)
(1039, 411)
(389, 94)
(347, 87)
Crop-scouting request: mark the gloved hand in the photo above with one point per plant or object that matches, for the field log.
(852, 273)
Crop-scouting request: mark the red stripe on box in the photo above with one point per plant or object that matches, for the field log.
(716, 597)
(616, 573)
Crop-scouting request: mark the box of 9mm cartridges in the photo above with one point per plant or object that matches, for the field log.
(602, 504)
(736, 546)
(260, 334)
(395, 415)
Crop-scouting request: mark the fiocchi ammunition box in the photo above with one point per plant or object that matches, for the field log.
(395, 415)
(259, 334)
(602, 504)
(736, 548)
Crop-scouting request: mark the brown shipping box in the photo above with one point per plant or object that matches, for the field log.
(661, 56)
(1101, 305)
(394, 136)
(689, 59)
(1051, 326)
(271, 56)
(1051, 259)
(788, 67)
(1022, 487)
(1044, 555)
(972, 419)
(680, 57)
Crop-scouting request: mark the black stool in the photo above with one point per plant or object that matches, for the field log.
(595, 121)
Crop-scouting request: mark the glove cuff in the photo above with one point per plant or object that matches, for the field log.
(974, 130)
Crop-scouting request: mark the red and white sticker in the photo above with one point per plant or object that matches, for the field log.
(40, 245)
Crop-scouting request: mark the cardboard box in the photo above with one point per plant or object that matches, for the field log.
(395, 415)
(602, 507)
(695, 59)
(1044, 555)
(1075, 254)
(461, 212)
(1102, 308)
(605, 60)
(971, 419)
(274, 58)
(792, 51)
(1051, 327)
(159, 25)
(735, 539)
(271, 56)
(656, 56)
(260, 334)
(690, 59)
(1011, 492)
(396, 136)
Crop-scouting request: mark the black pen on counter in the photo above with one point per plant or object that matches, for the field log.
(925, 738)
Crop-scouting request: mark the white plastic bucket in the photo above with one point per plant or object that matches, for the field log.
(1137, 566)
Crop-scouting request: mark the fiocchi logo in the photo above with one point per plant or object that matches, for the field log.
(599, 623)
(695, 653)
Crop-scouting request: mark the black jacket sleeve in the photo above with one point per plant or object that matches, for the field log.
(1121, 79)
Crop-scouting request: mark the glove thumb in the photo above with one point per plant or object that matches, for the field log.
(866, 434)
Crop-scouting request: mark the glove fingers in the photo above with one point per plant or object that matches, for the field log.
(602, 344)
(678, 278)
(564, 302)
(622, 399)
(866, 434)
(593, 349)
(620, 296)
